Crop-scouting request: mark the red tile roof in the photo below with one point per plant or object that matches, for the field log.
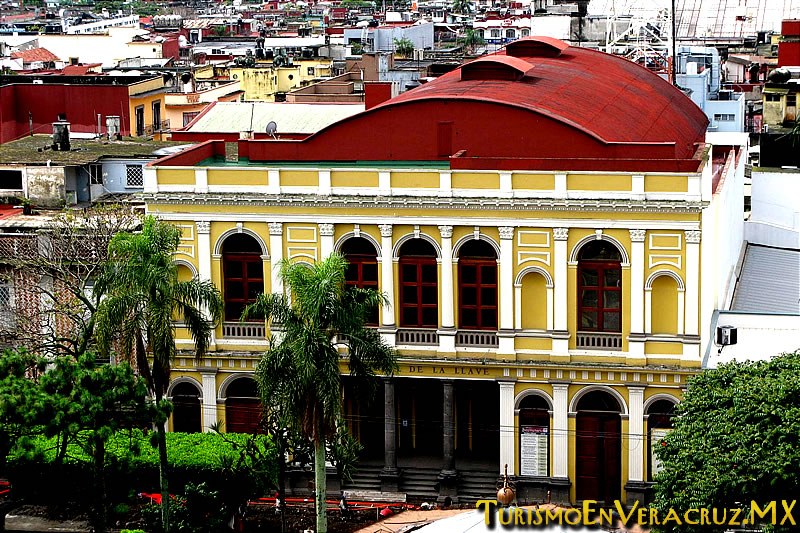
(35, 54)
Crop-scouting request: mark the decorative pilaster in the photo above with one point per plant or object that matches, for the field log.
(636, 443)
(507, 455)
(209, 381)
(276, 254)
(506, 283)
(636, 345)
(204, 264)
(560, 236)
(326, 239)
(387, 280)
(560, 430)
(692, 295)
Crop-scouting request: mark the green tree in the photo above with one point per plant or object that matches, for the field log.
(321, 325)
(736, 438)
(144, 301)
(462, 6)
(81, 396)
(403, 47)
(470, 40)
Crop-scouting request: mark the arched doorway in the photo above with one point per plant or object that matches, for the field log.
(477, 286)
(419, 291)
(598, 448)
(362, 272)
(242, 406)
(534, 436)
(243, 274)
(659, 417)
(187, 415)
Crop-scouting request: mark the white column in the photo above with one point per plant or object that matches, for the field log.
(692, 293)
(447, 333)
(681, 307)
(201, 180)
(150, 179)
(276, 254)
(326, 240)
(204, 260)
(637, 280)
(209, 398)
(636, 443)
(324, 182)
(550, 308)
(387, 275)
(506, 283)
(518, 306)
(560, 279)
(274, 181)
(507, 426)
(560, 430)
(448, 319)
(648, 310)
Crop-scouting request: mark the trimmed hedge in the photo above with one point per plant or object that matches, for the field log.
(132, 467)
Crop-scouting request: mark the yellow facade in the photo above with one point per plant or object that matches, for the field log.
(537, 239)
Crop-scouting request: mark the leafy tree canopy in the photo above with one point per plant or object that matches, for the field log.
(736, 438)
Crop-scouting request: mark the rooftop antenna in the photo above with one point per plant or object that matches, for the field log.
(272, 127)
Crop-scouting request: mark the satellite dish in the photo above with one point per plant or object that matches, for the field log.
(272, 127)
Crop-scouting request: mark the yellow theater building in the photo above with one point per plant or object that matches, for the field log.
(550, 226)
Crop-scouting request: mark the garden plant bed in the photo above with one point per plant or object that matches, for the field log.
(262, 518)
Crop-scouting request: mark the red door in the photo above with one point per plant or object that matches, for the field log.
(598, 457)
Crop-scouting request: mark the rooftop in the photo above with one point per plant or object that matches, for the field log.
(769, 282)
(30, 150)
(254, 116)
(35, 54)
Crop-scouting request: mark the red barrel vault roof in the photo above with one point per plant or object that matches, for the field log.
(608, 97)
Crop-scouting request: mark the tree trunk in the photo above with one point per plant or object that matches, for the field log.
(100, 519)
(162, 469)
(320, 484)
(282, 483)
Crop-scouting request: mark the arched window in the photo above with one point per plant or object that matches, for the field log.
(243, 273)
(477, 285)
(598, 456)
(599, 288)
(419, 292)
(664, 301)
(242, 407)
(510, 34)
(659, 422)
(533, 411)
(526, 32)
(362, 272)
(186, 413)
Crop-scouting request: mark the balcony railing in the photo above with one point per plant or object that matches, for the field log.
(593, 340)
(150, 129)
(477, 339)
(244, 330)
(417, 337)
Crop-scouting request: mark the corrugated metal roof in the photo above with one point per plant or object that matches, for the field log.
(290, 117)
(769, 282)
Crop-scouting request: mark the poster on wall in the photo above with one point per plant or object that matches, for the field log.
(534, 442)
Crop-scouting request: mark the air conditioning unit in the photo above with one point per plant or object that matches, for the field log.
(726, 335)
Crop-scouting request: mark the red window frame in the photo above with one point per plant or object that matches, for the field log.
(478, 285)
(602, 289)
(243, 259)
(419, 288)
(354, 277)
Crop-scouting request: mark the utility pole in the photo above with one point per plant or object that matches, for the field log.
(674, 33)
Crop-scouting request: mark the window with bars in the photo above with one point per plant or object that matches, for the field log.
(188, 117)
(600, 288)
(95, 174)
(419, 291)
(134, 176)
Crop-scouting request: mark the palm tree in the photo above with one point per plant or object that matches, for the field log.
(318, 327)
(471, 39)
(144, 301)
